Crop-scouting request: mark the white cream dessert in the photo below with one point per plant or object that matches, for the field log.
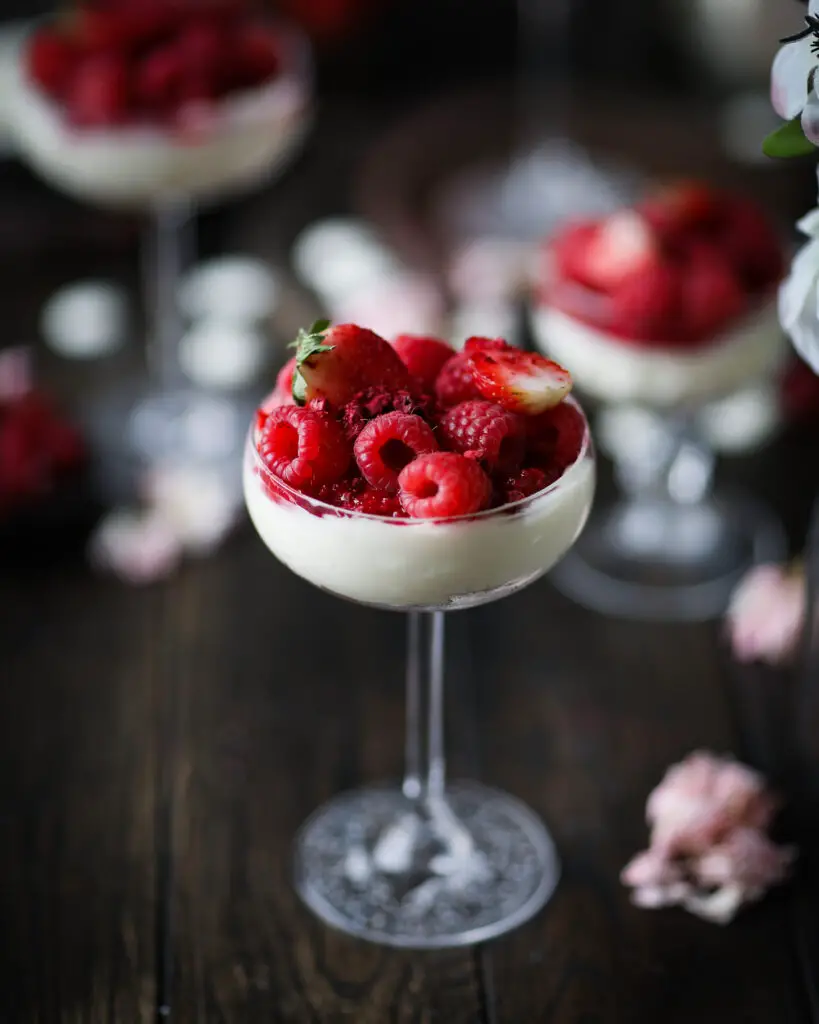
(608, 370)
(670, 304)
(129, 127)
(403, 563)
(414, 476)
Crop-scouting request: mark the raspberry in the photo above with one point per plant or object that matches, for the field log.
(423, 357)
(98, 95)
(485, 431)
(344, 493)
(555, 438)
(50, 61)
(524, 484)
(378, 503)
(443, 484)
(304, 448)
(373, 402)
(454, 383)
(388, 443)
(355, 495)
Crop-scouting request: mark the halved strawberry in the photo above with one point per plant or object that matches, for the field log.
(564, 256)
(623, 245)
(521, 382)
(338, 363)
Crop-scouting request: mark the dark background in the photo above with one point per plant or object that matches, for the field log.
(406, 46)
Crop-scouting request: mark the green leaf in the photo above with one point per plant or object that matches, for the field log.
(788, 141)
(299, 388)
(307, 344)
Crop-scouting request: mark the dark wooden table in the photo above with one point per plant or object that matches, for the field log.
(159, 747)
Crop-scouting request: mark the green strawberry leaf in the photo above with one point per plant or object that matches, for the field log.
(308, 343)
(788, 141)
(299, 388)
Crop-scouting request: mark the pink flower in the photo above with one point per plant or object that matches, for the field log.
(138, 547)
(767, 614)
(15, 373)
(708, 852)
(701, 799)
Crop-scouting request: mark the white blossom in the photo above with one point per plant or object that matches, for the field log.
(799, 294)
(794, 76)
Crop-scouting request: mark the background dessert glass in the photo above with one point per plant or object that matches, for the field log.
(243, 140)
(668, 546)
(424, 864)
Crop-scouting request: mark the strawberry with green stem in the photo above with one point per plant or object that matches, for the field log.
(338, 363)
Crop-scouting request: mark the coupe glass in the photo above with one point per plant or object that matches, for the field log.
(426, 864)
(670, 545)
(144, 169)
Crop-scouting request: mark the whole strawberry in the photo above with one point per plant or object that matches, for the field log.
(338, 363)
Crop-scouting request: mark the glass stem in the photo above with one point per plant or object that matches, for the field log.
(170, 243)
(425, 775)
(677, 465)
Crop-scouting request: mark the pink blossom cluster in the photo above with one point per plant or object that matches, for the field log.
(708, 850)
(186, 511)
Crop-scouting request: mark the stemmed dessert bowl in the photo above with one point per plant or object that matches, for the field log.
(669, 546)
(217, 148)
(427, 863)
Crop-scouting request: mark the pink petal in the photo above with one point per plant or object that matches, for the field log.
(719, 907)
(789, 77)
(766, 615)
(651, 868)
(746, 858)
(199, 506)
(654, 897)
(15, 373)
(137, 547)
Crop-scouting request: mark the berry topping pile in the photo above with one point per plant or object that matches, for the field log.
(38, 449)
(412, 429)
(675, 270)
(117, 62)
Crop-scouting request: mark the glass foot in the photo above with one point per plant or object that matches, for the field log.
(655, 560)
(369, 865)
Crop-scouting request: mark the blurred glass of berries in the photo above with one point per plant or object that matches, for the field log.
(39, 449)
